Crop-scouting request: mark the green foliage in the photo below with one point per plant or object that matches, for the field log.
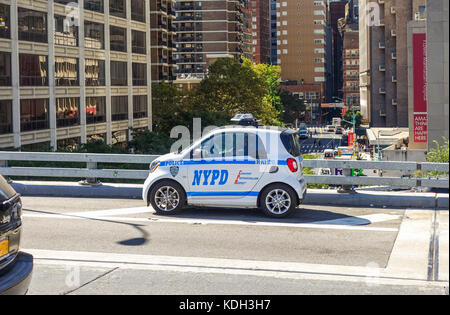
(147, 142)
(292, 106)
(230, 88)
(349, 117)
(439, 154)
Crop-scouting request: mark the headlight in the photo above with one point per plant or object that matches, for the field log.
(154, 166)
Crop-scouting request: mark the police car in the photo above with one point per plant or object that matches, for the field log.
(234, 166)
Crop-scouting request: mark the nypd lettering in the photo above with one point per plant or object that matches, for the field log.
(210, 177)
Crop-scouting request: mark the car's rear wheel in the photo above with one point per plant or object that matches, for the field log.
(167, 197)
(278, 201)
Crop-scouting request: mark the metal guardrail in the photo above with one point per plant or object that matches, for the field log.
(91, 172)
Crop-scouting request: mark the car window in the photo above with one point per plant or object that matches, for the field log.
(230, 144)
(292, 143)
(256, 147)
(213, 147)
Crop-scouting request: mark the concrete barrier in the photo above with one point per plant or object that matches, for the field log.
(364, 198)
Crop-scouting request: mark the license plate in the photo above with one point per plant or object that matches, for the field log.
(4, 248)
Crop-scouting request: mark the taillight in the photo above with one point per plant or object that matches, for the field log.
(292, 164)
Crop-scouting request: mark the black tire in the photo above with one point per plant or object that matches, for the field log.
(285, 209)
(158, 201)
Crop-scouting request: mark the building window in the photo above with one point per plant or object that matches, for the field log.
(33, 70)
(95, 110)
(139, 74)
(66, 71)
(119, 73)
(95, 72)
(33, 114)
(5, 31)
(94, 5)
(5, 69)
(66, 34)
(139, 42)
(6, 117)
(94, 35)
(118, 8)
(119, 108)
(140, 106)
(32, 25)
(138, 10)
(118, 37)
(67, 112)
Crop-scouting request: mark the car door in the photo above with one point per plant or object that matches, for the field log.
(225, 166)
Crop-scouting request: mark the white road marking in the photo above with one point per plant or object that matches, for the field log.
(348, 223)
(289, 270)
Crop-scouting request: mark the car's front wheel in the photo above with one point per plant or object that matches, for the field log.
(278, 201)
(167, 197)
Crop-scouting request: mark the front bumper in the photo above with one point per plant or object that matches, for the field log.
(15, 279)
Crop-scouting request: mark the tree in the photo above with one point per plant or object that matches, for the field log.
(231, 88)
(147, 142)
(167, 107)
(349, 118)
(293, 106)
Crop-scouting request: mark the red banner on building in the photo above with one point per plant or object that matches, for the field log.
(420, 87)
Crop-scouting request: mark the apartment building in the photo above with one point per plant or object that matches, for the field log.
(383, 61)
(351, 67)
(85, 76)
(336, 11)
(301, 46)
(273, 32)
(260, 29)
(207, 30)
(162, 44)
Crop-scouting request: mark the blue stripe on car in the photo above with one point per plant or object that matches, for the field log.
(223, 193)
(225, 162)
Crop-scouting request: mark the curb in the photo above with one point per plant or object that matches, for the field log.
(314, 196)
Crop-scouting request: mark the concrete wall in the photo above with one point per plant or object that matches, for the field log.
(404, 155)
(437, 70)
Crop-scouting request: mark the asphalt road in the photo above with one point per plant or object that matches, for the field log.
(114, 246)
(320, 142)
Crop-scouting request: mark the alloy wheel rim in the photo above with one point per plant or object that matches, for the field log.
(167, 198)
(278, 201)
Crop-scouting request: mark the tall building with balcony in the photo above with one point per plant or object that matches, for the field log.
(71, 71)
(260, 30)
(384, 71)
(162, 15)
(273, 32)
(207, 30)
(301, 39)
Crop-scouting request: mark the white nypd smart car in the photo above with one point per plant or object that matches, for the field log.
(235, 166)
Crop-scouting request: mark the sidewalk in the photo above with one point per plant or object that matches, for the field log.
(314, 196)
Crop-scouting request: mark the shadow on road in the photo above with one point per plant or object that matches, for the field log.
(138, 241)
(303, 215)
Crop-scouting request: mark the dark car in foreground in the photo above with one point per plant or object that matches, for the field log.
(15, 266)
